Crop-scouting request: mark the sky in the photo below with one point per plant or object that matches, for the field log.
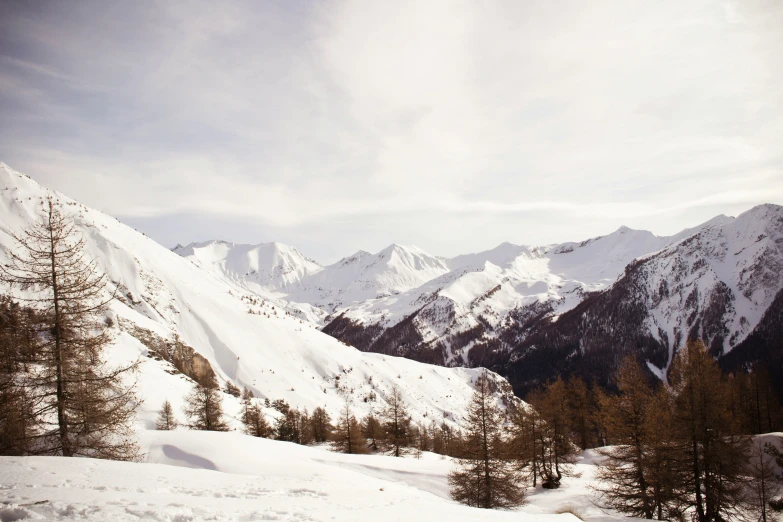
(453, 125)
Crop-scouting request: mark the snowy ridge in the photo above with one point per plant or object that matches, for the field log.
(718, 283)
(270, 265)
(272, 351)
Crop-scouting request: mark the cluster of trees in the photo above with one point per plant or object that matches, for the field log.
(58, 395)
(668, 452)
(389, 431)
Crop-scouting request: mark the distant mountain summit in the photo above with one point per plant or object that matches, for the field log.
(270, 265)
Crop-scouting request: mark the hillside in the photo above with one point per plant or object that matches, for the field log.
(250, 341)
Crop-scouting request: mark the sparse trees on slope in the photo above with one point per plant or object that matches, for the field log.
(484, 477)
(85, 407)
(348, 436)
(204, 409)
(255, 423)
(396, 423)
(166, 419)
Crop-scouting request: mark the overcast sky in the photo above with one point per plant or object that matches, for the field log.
(452, 125)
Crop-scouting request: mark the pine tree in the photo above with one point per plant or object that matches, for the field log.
(18, 428)
(166, 419)
(18, 422)
(526, 445)
(372, 431)
(287, 426)
(321, 425)
(204, 409)
(635, 476)
(763, 485)
(484, 477)
(84, 407)
(556, 451)
(666, 470)
(396, 423)
(255, 421)
(580, 406)
(716, 455)
(348, 436)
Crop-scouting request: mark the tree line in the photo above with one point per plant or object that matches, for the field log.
(669, 451)
(390, 430)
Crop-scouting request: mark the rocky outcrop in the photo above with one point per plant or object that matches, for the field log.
(183, 357)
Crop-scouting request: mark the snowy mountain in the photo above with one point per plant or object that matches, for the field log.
(268, 265)
(181, 318)
(492, 297)
(281, 269)
(498, 308)
(722, 284)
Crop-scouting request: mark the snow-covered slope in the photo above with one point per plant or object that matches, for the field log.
(247, 340)
(233, 477)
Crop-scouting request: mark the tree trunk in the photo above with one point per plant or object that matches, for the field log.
(58, 356)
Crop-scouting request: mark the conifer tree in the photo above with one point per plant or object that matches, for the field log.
(289, 426)
(556, 453)
(321, 425)
(84, 406)
(18, 422)
(348, 436)
(716, 454)
(635, 476)
(204, 409)
(484, 477)
(166, 419)
(396, 423)
(255, 423)
(372, 431)
(580, 406)
(526, 446)
(763, 484)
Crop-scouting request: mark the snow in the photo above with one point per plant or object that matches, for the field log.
(275, 352)
(191, 475)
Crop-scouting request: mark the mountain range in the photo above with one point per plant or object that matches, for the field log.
(268, 317)
(534, 312)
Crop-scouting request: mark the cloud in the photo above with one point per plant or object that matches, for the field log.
(450, 124)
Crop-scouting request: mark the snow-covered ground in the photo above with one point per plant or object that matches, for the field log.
(189, 476)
